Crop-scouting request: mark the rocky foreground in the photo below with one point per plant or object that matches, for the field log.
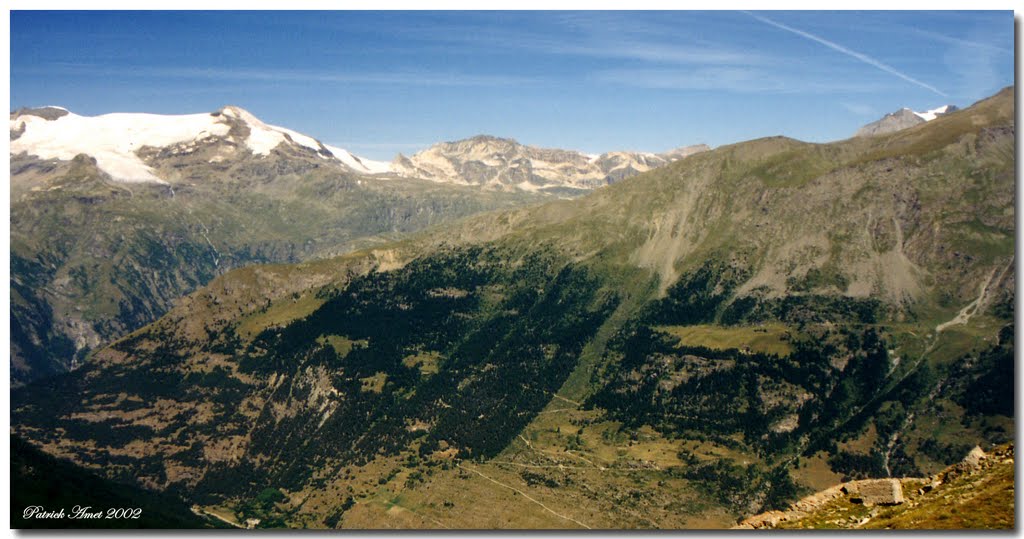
(976, 493)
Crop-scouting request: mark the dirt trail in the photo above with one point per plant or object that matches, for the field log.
(567, 400)
(421, 516)
(521, 465)
(556, 411)
(203, 512)
(553, 395)
(523, 494)
(584, 459)
(566, 452)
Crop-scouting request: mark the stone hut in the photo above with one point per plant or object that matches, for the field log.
(875, 491)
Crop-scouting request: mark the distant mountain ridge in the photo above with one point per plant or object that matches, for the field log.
(902, 119)
(113, 217)
(504, 163)
(125, 145)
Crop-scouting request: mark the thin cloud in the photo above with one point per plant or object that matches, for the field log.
(854, 54)
(669, 54)
(859, 109)
(731, 79)
(413, 78)
(624, 47)
(960, 41)
(977, 72)
(379, 145)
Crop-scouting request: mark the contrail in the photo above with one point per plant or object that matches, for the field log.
(835, 46)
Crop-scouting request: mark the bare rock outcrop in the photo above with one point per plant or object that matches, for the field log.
(875, 491)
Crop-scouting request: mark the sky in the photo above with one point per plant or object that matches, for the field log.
(380, 83)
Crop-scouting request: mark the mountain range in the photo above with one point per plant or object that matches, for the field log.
(705, 341)
(504, 163)
(123, 144)
(115, 216)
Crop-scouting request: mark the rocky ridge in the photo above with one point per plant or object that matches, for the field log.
(902, 119)
(502, 163)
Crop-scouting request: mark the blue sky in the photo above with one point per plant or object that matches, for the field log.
(379, 83)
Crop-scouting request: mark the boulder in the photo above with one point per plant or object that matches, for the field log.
(974, 458)
(876, 491)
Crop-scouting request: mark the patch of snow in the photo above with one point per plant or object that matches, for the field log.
(262, 141)
(930, 115)
(112, 139)
(262, 137)
(359, 164)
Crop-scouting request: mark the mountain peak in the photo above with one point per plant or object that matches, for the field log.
(263, 137)
(234, 110)
(902, 119)
(486, 138)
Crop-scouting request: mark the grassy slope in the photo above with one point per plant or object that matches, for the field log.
(982, 499)
(769, 339)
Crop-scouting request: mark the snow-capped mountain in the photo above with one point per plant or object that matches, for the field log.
(154, 148)
(503, 163)
(902, 119)
(116, 141)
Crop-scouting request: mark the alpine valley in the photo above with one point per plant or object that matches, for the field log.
(116, 216)
(477, 336)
